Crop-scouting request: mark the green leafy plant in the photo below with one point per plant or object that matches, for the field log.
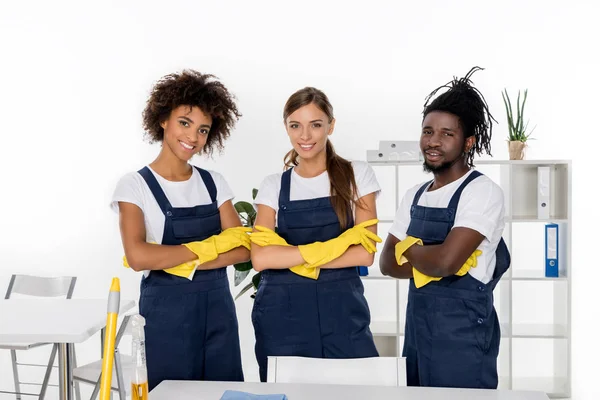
(517, 129)
(247, 214)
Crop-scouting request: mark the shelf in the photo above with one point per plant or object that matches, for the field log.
(384, 328)
(524, 192)
(554, 387)
(550, 331)
(533, 309)
(535, 275)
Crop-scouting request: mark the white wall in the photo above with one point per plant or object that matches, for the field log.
(75, 76)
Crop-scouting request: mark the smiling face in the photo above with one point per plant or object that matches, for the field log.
(186, 131)
(308, 129)
(442, 141)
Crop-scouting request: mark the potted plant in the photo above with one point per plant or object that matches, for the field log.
(247, 214)
(517, 129)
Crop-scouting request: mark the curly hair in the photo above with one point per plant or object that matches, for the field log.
(191, 88)
(468, 104)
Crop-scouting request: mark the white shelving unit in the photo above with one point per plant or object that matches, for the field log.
(534, 310)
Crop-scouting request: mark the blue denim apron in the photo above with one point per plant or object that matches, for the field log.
(298, 316)
(191, 326)
(452, 334)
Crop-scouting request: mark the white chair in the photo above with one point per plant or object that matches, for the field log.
(377, 371)
(37, 286)
(123, 364)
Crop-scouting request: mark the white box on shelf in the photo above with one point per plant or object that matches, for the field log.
(374, 156)
(543, 192)
(396, 150)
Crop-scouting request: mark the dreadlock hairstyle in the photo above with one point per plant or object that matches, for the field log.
(469, 105)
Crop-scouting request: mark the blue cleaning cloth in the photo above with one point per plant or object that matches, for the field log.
(236, 395)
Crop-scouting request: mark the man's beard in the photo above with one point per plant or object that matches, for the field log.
(438, 168)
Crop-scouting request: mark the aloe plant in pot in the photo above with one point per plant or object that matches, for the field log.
(517, 129)
(247, 214)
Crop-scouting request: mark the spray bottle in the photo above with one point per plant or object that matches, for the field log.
(139, 376)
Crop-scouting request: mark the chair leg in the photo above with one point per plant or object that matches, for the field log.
(96, 390)
(13, 356)
(119, 373)
(48, 371)
(75, 383)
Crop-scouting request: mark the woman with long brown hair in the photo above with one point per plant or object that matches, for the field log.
(310, 300)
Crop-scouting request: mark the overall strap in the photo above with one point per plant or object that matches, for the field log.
(209, 183)
(156, 190)
(284, 192)
(420, 192)
(456, 197)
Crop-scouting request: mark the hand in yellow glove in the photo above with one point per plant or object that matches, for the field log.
(267, 237)
(185, 270)
(366, 236)
(320, 253)
(225, 241)
(402, 246)
(232, 238)
(420, 278)
(470, 263)
(209, 249)
(206, 250)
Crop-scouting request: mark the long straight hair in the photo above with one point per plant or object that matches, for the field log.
(342, 182)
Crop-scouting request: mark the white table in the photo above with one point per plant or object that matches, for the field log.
(194, 390)
(60, 321)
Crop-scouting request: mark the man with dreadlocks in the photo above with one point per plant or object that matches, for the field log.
(447, 238)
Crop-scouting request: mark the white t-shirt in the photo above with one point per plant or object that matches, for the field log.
(481, 207)
(316, 187)
(132, 188)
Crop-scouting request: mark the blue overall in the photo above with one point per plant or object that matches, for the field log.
(452, 334)
(298, 316)
(191, 326)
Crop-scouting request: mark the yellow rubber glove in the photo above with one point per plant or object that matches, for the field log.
(320, 253)
(470, 263)
(225, 241)
(267, 237)
(232, 238)
(185, 270)
(403, 245)
(206, 250)
(209, 249)
(420, 278)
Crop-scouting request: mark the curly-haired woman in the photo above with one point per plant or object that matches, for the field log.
(178, 225)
